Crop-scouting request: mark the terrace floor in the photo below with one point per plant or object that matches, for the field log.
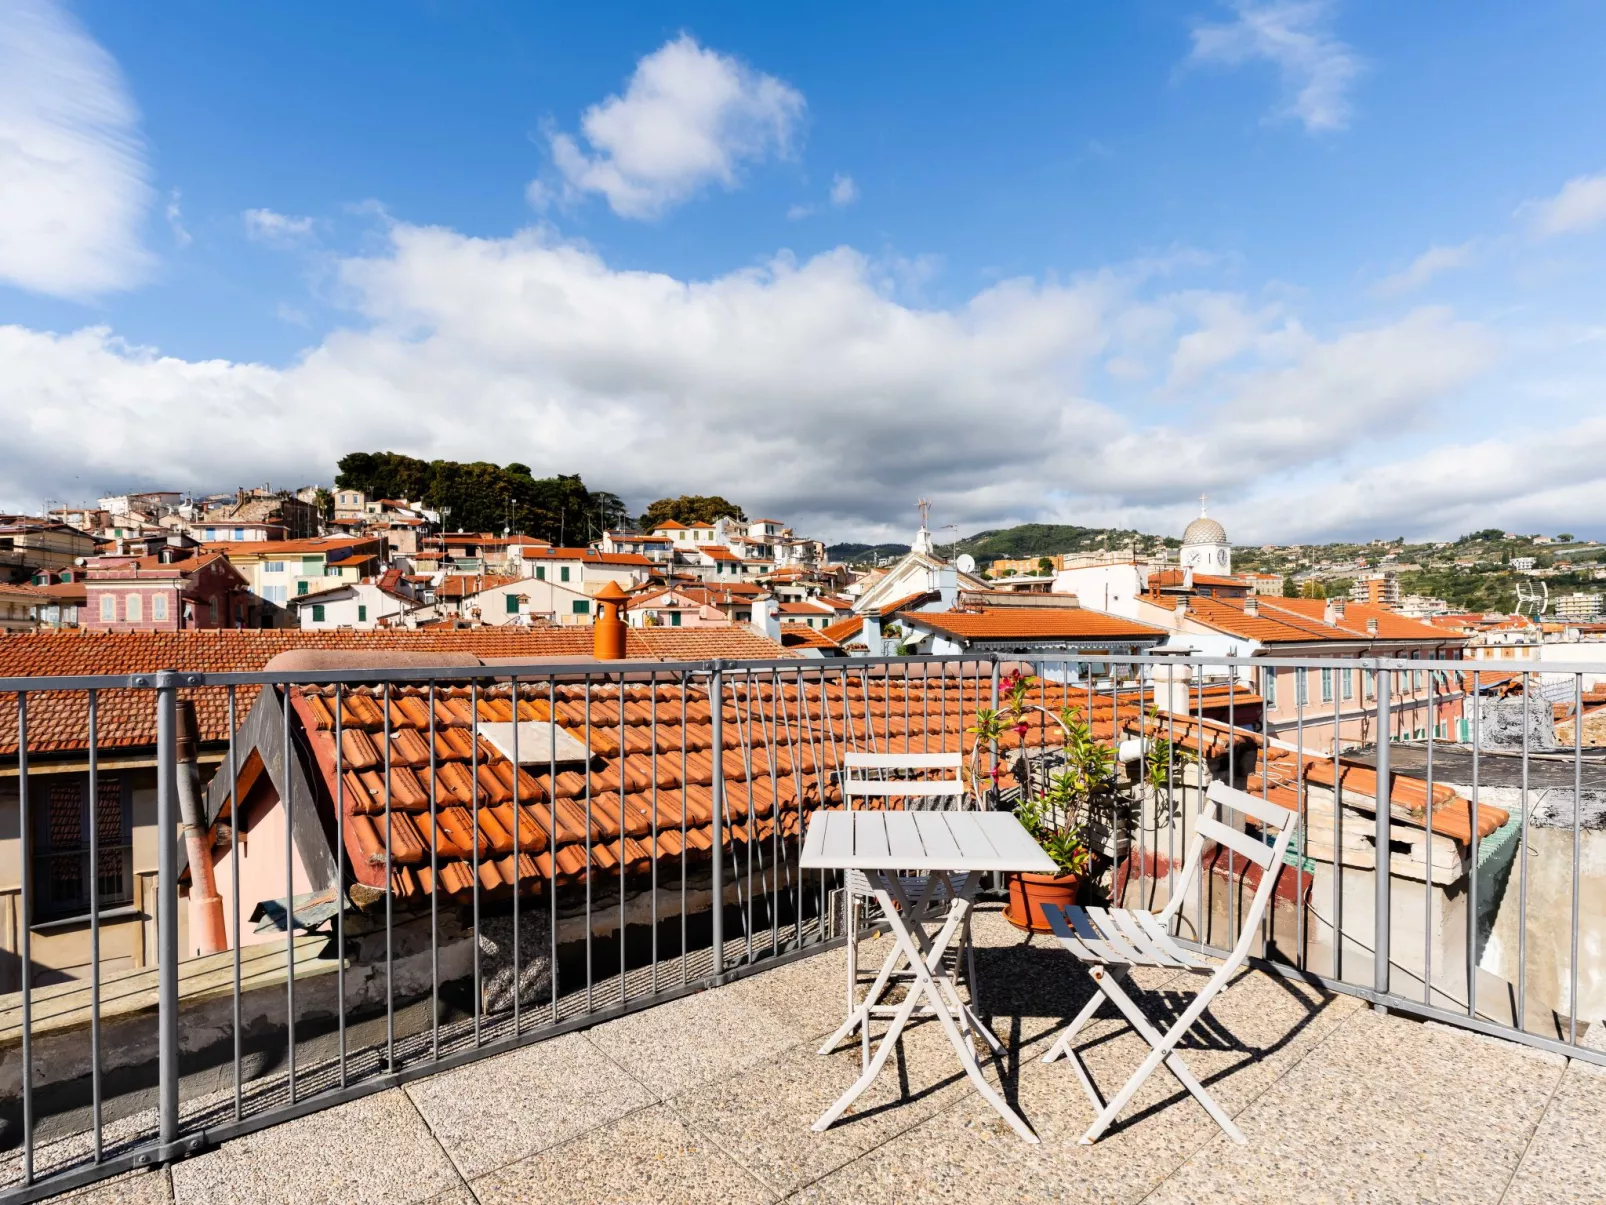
(710, 1098)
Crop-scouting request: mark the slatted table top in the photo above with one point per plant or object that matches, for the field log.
(921, 841)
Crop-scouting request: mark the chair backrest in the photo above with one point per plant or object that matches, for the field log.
(1210, 827)
(927, 776)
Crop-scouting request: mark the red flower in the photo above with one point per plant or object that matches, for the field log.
(1022, 728)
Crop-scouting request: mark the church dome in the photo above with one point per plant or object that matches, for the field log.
(1204, 531)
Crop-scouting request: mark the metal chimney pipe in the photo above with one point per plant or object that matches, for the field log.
(206, 905)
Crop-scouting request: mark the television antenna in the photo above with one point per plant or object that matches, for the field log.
(1533, 595)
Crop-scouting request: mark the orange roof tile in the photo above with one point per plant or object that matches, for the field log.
(1034, 623)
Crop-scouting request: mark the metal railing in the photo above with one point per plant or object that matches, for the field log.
(427, 893)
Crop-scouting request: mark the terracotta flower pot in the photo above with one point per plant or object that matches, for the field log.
(1029, 892)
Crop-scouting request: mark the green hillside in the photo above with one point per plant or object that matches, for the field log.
(1027, 540)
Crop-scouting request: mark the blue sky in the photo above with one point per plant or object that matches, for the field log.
(1335, 264)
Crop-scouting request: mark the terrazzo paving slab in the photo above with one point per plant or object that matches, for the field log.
(808, 997)
(512, 1105)
(1386, 1109)
(648, 1156)
(761, 1118)
(134, 1188)
(374, 1149)
(668, 1047)
(1566, 1160)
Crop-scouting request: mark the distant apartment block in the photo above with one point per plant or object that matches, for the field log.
(1578, 606)
(1377, 589)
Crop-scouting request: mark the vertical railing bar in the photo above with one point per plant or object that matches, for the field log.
(1232, 775)
(1204, 872)
(1522, 868)
(390, 896)
(164, 723)
(167, 817)
(624, 856)
(797, 794)
(434, 889)
(1383, 803)
(590, 867)
(518, 848)
(1427, 885)
(94, 921)
(652, 691)
(1338, 814)
(744, 736)
(716, 711)
(476, 837)
(1472, 879)
(685, 859)
(289, 898)
(340, 872)
(1578, 813)
(1170, 783)
(234, 894)
(772, 745)
(552, 838)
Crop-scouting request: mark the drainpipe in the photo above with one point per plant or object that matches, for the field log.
(206, 906)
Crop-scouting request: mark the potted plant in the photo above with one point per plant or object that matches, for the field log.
(1054, 815)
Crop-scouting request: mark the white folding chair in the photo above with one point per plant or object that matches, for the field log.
(1111, 941)
(923, 780)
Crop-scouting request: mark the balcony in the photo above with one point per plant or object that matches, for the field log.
(709, 1097)
(654, 1036)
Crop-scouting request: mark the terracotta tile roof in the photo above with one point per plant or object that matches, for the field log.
(907, 600)
(718, 552)
(273, 549)
(462, 585)
(844, 629)
(1029, 623)
(797, 635)
(1390, 624)
(58, 721)
(35, 594)
(548, 553)
(1269, 628)
(1175, 577)
(811, 609)
(670, 525)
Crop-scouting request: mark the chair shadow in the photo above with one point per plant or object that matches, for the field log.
(1035, 980)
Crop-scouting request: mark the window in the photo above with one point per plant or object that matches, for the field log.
(563, 573)
(211, 533)
(301, 587)
(61, 846)
(1368, 686)
(540, 573)
(1349, 683)
(581, 606)
(1327, 686)
(131, 608)
(317, 612)
(272, 566)
(362, 613)
(1416, 679)
(159, 606)
(512, 603)
(274, 594)
(1301, 686)
(1268, 686)
(331, 571)
(108, 608)
(239, 533)
(674, 619)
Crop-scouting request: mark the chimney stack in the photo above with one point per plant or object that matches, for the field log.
(1251, 605)
(1340, 605)
(1182, 605)
(608, 628)
(1371, 627)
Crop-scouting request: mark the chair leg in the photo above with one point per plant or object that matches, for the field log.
(1164, 1052)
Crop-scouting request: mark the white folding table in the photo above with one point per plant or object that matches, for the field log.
(881, 844)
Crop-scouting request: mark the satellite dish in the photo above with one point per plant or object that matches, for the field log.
(966, 563)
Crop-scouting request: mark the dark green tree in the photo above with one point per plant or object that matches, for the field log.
(689, 508)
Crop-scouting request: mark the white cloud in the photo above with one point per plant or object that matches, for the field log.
(74, 186)
(752, 385)
(798, 211)
(843, 191)
(689, 117)
(266, 226)
(1425, 267)
(1295, 36)
(175, 220)
(1580, 205)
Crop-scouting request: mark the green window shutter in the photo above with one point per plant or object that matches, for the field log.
(674, 619)
(563, 573)
(540, 573)
(512, 603)
(582, 606)
(317, 612)
(362, 613)
(301, 587)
